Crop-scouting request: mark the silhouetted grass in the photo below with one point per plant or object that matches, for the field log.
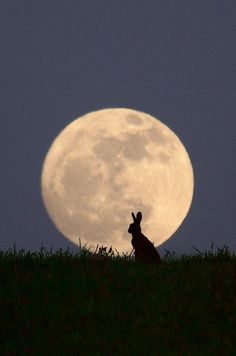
(106, 304)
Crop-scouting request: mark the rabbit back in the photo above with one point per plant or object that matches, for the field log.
(144, 249)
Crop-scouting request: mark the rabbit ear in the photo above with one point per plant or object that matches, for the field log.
(139, 217)
(134, 218)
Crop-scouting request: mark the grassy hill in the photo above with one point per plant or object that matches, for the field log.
(105, 304)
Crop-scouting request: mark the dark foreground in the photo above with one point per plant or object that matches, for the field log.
(96, 305)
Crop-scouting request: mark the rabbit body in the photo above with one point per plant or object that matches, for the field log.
(144, 249)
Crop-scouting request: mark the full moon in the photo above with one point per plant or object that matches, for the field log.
(108, 163)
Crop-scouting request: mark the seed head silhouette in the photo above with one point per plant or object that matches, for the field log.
(144, 250)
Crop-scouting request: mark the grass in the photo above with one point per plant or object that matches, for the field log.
(105, 304)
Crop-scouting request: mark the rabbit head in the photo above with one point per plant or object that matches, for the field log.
(135, 227)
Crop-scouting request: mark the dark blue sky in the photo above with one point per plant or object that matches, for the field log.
(172, 59)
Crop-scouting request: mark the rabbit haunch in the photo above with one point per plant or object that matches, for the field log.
(144, 249)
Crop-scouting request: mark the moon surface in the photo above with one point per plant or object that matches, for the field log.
(108, 163)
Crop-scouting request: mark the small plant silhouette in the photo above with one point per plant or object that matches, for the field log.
(144, 250)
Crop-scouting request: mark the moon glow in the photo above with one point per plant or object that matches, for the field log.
(108, 163)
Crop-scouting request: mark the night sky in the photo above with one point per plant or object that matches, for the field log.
(174, 60)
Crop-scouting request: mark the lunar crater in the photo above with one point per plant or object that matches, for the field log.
(134, 119)
(133, 147)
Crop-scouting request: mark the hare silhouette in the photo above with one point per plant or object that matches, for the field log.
(144, 250)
